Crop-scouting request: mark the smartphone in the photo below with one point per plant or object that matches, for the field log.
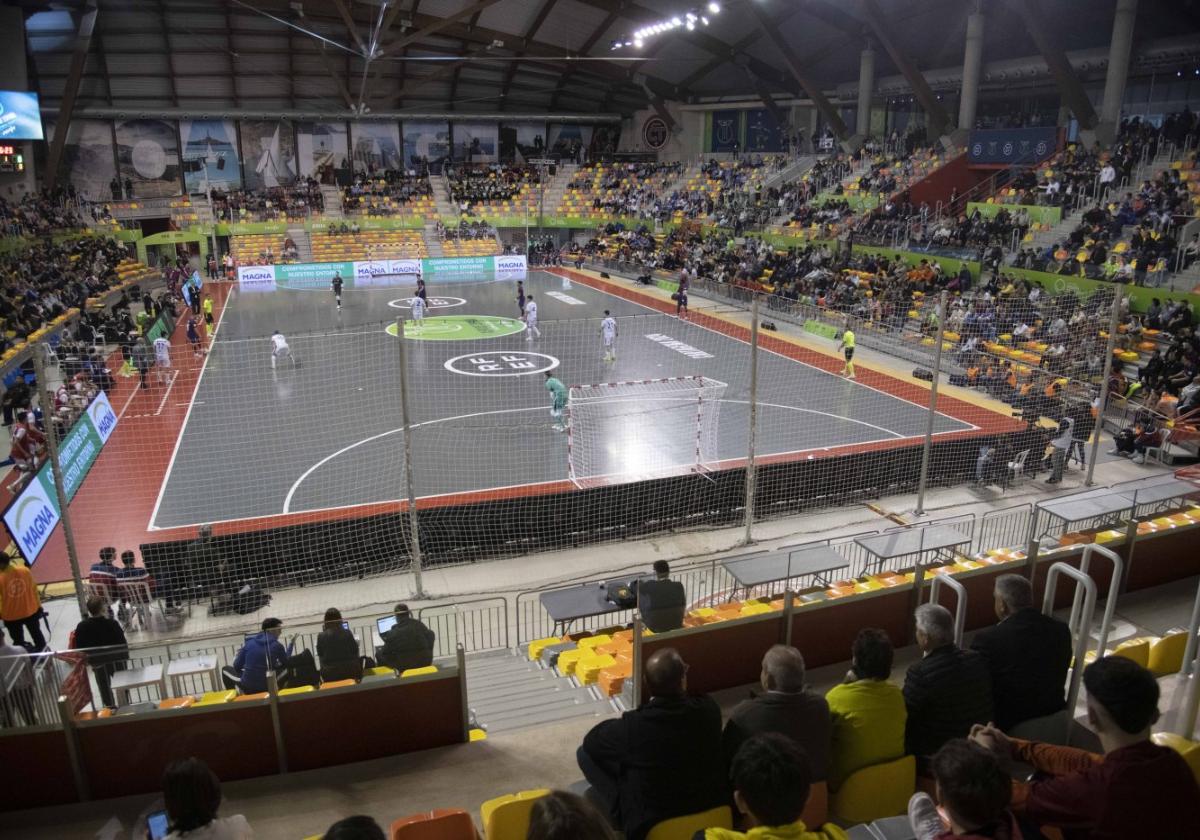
(157, 825)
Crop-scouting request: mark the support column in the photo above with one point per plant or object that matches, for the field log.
(1118, 70)
(866, 90)
(972, 59)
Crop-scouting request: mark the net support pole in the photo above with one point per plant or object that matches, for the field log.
(750, 436)
(1113, 321)
(927, 448)
(46, 400)
(409, 489)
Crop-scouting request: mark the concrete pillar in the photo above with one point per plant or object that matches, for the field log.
(12, 71)
(1118, 69)
(972, 59)
(866, 90)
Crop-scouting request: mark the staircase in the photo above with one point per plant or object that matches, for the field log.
(1059, 232)
(446, 209)
(506, 691)
(332, 196)
(433, 242)
(556, 187)
(791, 172)
(303, 242)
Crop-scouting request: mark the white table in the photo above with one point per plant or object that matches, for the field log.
(177, 668)
(124, 681)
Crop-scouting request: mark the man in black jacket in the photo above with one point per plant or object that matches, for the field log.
(948, 691)
(1027, 653)
(104, 641)
(784, 707)
(408, 644)
(661, 760)
(662, 601)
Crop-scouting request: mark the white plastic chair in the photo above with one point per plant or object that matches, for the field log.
(137, 594)
(1016, 468)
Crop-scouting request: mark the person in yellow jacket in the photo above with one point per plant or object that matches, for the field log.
(20, 608)
(847, 347)
(771, 779)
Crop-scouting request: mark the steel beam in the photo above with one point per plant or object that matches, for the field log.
(939, 120)
(437, 25)
(83, 42)
(1069, 85)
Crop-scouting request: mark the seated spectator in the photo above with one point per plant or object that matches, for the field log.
(261, 653)
(1027, 653)
(130, 570)
(103, 574)
(104, 641)
(784, 707)
(408, 644)
(16, 685)
(1133, 441)
(662, 602)
(337, 650)
(867, 711)
(192, 797)
(359, 827)
(974, 793)
(771, 781)
(1136, 789)
(660, 760)
(948, 691)
(560, 815)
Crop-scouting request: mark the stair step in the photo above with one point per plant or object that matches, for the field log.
(519, 718)
(511, 683)
(547, 687)
(530, 700)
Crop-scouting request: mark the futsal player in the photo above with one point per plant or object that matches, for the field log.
(847, 348)
(421, 293)
(162, 359)
(336, 285)
(418, 308)
(531, 327)
(680, 296)
(193, 336)
(558, 402)
(279, 349)
(608, 337)
(520, 299)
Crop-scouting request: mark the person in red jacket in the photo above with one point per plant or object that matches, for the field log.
(1135, 789)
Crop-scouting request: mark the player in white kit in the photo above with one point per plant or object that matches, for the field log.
(531, 327)
(280, 349)
(162, 358)
(418, 308)
(608, 336)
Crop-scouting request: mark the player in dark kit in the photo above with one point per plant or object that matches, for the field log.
(336, 285)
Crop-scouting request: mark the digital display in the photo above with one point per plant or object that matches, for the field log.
(20, 116)
(8, 150)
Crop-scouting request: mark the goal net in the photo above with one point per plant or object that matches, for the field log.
(629, 431)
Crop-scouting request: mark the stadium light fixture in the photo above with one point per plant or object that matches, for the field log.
(686, 20)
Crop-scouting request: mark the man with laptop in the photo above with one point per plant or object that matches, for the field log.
(407, 643)
(261, 653)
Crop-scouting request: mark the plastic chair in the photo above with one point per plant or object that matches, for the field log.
(137, 594)
(440, 824)
(507, 817)
(1166, 654)
(416, 672)
(685, 827)
(1189, 750)
(881, 790)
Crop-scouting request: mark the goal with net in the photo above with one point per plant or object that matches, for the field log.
(630, 431)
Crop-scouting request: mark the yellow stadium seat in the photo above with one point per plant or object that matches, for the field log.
(1166, 654)
(875, 792)
(215, 698)
(379, 671)
(337, 684)
(507, 817)
(686, 827)
(476, 734)
(299, 689)
(1136, 650)
(568, 659)
(417, 672)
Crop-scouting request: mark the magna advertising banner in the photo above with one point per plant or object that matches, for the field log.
(381, 273)
(32, 516)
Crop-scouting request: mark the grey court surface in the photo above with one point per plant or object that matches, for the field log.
(325, 434)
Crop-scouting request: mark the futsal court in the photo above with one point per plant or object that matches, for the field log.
(325, 435)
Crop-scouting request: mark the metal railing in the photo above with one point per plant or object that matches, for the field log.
(960, 602)
(1088, 585)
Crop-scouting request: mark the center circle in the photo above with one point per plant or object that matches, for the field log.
(458, 327)
(501, 363)
(434, 302)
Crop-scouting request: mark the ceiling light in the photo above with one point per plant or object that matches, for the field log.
(714, 8)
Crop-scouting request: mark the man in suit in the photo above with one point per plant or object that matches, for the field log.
(784, 707)
(661, 760)
(1027, 653)
(662, 601)
(947, 691)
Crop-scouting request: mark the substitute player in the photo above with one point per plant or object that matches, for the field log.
(847, 348)
(418, 308)
(558, 402)
(608, 336)
(336, 285)
(280, 349)
(162, 359)
(531, 327)
(193, 336)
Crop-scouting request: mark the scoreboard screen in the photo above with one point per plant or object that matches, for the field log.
(12, 159)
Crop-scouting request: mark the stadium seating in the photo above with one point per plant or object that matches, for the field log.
(440, 824)
(507, 817)
(251, 249)
(368, 245)
(470, 247)
(882, 790)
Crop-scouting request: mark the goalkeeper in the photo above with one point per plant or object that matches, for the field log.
(558, 402)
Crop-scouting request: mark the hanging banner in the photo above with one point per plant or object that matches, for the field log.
(1011, 145)
(426, 142)
(763, 132)
(269, 147)
(148, 157)
(376, 146)
(88, 159)
(322, 148)
(210, 155)
(726, 130)
(475, 142)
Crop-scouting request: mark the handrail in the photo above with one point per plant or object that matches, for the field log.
(1186, 724)
(960, 606)
(1089, 609)
(1110, 602)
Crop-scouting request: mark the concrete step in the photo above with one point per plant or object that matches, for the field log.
(510, 682)
(598, 712)
(529, 698)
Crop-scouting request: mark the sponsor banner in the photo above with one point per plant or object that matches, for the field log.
(256, 278)
(312, 275)
(32, 516)
(436, 268)
(383, 272)
(819, 328)
(1011, 145)
(1037, 213)
(511, 267)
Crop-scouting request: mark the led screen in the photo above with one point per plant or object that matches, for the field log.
(20, 117)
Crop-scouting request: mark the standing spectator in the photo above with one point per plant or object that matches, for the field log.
(948, 691)
(1027, 653)
(20, 608)
(1060, 445)
(192, 796)
(974, 792)
(867, 711)
(662, 602)
(560, 815)
(408, 643)
(661, 760)
(771, 782)
(337, 649)
(104, 641)
(784, 707)
(261, 653)
(16, 685)
(1138, 789)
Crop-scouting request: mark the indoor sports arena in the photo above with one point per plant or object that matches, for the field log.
(596, 419)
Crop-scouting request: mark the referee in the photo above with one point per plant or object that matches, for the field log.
(847, 347)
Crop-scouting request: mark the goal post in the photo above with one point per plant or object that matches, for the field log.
(619, 432)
